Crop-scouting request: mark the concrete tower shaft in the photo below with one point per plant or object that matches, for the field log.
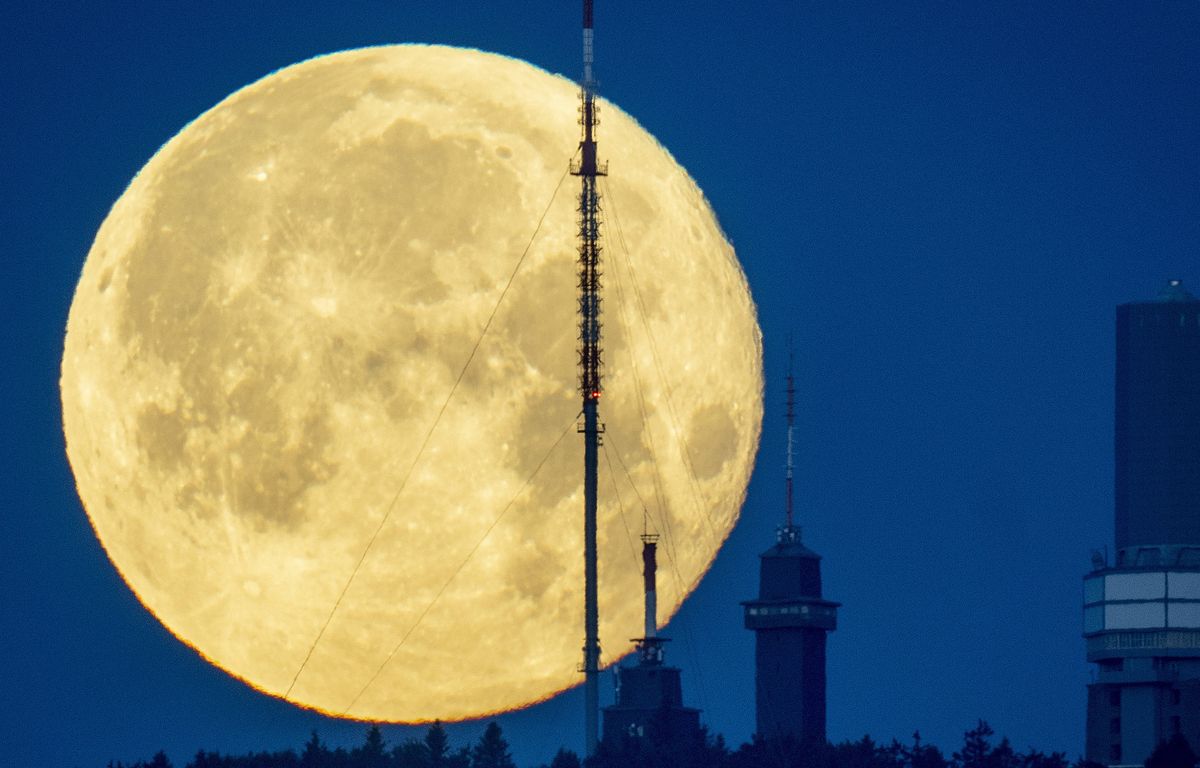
(1157, 435)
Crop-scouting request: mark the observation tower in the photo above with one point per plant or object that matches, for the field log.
(790, 620)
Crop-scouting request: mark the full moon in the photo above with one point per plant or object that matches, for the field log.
(320, 395)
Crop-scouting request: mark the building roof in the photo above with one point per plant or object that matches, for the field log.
(1174, 291)
(788, 544)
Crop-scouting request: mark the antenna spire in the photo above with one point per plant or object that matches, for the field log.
(791, 422)
(789, 531)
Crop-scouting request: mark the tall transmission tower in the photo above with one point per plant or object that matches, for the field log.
(588, 170)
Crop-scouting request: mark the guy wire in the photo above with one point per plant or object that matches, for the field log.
(425, 442)
(463, 564)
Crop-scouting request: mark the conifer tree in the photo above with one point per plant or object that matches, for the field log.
(976, 748)
(159, 760)
(1176, 753)
(492, 750)
(438, 744)
(372, 753)
(411, 753)
(565, 758)
(315, 754)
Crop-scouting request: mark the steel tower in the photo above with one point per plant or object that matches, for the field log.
(790, 620)
(1141, 614)
(589, 170)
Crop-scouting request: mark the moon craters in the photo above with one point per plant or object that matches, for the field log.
(330, 330)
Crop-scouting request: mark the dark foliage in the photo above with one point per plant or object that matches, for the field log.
(662, 750)
(492, 750)
(372, 753)
(565, 758)
(1176, 753)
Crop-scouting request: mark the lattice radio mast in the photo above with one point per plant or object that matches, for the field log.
(588, 170)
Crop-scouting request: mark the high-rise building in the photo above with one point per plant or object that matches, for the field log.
(790, 620)
(1141, 613)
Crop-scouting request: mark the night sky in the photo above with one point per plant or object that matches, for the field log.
(940, 202)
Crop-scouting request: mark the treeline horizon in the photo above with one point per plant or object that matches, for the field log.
(491, 750)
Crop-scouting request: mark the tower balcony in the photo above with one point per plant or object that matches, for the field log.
(1141, 612)
(801, 613)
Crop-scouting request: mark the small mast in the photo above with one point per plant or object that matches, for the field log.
(649, 571)
(650, 645)
(649, 707)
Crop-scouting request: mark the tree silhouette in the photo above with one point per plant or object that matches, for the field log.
(659, 750)
(492, 750)
(1176, 753)
(1036, 759)
(410, 753)
(159, 760)
(315, 754)
(372, 753)
(858, 754)
(771, 752)
(565, 758)
(978, 752)
(925, 755)
(438, 744)
(976, 748)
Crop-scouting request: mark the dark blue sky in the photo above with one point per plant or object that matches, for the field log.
(942, 201)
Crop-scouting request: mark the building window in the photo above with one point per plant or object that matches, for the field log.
(1114, 698)
(1175, 697)
(1114, 753)
(1114, 726)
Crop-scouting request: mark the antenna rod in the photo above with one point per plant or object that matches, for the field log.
(589, 373)
(791, 420)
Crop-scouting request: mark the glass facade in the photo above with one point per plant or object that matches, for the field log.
(1141, 600)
